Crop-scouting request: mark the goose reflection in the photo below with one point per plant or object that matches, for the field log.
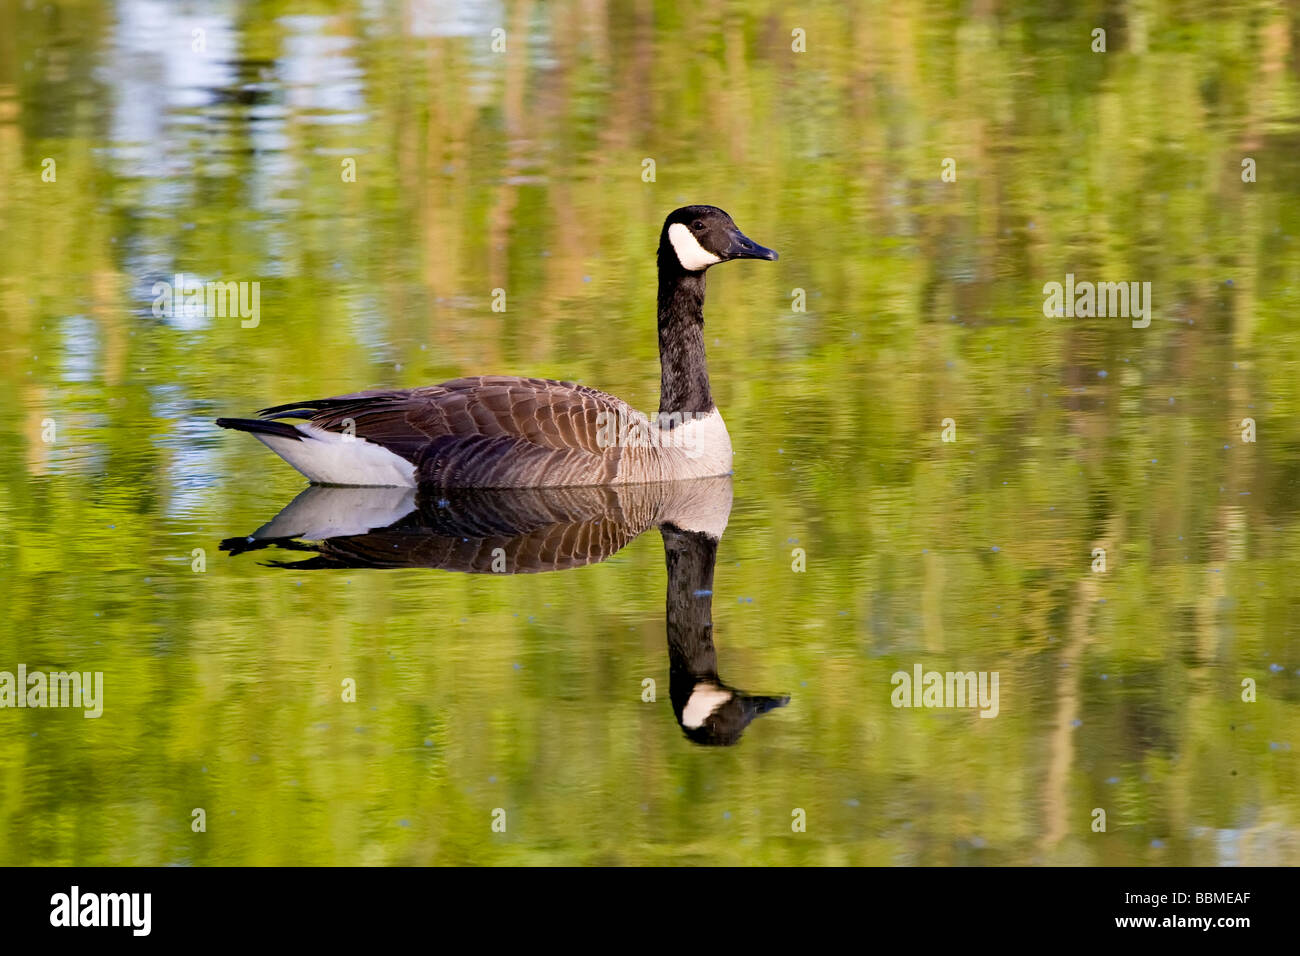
(527, 531)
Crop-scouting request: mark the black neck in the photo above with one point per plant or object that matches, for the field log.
(684, 371)
(690, 556)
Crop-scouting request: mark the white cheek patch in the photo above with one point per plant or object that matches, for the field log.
(704, 700)
(693, 256)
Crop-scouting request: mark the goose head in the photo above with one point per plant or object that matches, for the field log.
(714, 714)
(696, 237)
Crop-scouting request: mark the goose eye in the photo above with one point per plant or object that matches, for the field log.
(697, 225)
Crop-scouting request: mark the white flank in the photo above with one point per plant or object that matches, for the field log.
(319, 513)
(704, 700)
(329, 458)
(693, 256)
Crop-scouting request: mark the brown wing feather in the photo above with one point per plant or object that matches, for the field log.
(488, 431)
(518, 531)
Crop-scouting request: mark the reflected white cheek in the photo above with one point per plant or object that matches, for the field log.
(693, 256)
(704, 700)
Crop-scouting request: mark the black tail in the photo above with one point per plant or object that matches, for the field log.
(249, 543)
(261, 426)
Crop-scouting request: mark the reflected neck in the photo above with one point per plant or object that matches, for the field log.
(690, 556)
(684, 370)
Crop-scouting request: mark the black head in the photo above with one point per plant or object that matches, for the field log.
(711, 713)
(696, 237)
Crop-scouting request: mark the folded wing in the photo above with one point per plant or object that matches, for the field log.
(492, 431)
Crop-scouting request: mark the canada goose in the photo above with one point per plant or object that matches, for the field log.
(500, 431)
(530, 530)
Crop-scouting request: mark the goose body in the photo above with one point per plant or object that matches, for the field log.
(499, 431)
